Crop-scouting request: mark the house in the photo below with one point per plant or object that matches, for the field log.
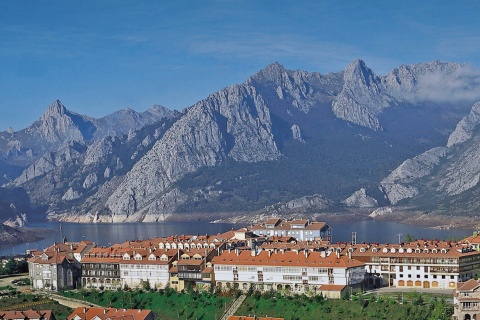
(82, 313)
(55, 268)
(288, 271)
(27, 315)
(300, 229)
(466, 301)
(473, 241)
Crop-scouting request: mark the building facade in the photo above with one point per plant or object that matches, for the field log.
(56, 267)
(419, 264)
(466, 301)
(289, 271)
(302, 230)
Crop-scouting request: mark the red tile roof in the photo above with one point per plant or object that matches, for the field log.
(28, 314)
(289, 258)
(110, 313)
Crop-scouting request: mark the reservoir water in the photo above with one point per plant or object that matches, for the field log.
(106, 234)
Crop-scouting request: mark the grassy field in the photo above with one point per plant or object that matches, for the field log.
(167, 304)
(415, 306)
(13, 300)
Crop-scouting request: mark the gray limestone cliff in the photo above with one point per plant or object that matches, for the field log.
(399, 184)
(466, 127)
(234, 122)
(360, 199)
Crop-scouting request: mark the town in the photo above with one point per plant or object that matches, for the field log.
(289, 257)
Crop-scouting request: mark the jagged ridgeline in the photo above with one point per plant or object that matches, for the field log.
(283, 140)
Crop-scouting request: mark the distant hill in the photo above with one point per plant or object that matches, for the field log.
(293, 141)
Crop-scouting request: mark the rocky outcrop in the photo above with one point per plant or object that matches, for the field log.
(463, 170)
(398, 184)
(466, 127)
(381, 212)
(362, 97)
(16, 222)
(360, 199)
(50, 161)
(297, 133)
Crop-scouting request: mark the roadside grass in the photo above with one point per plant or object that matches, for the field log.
(166, 303)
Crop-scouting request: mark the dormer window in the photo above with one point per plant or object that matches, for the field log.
(152, 257)
(362, 250)
(374, 250)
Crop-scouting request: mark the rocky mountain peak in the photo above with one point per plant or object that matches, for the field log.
(55, 109)
(361, 98)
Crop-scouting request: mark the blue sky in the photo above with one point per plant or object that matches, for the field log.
(101, 56)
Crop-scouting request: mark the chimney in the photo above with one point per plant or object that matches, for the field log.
(306, 253)
(338, 254)
(322, 254)
(269, 253)
(104, 311)
(349, 254)
(253, 253)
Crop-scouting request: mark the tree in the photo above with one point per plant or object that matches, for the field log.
(409, 237)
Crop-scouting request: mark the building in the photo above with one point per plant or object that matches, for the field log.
(419, 264)
(193, 269)
(147, 268)
(27, 315)
(57, 267)
(82, 313)
(287, 271)
(101, 268)
(473, 241)
(302, 230)
(466, 301)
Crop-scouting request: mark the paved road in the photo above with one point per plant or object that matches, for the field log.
(7, 281)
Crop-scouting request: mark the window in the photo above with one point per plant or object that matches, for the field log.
(418, 276)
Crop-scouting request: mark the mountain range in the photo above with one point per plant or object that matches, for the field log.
(284, 141)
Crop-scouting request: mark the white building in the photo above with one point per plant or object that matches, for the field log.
(420, 264)
(291, 271)
(302, 230)
(146, 268)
